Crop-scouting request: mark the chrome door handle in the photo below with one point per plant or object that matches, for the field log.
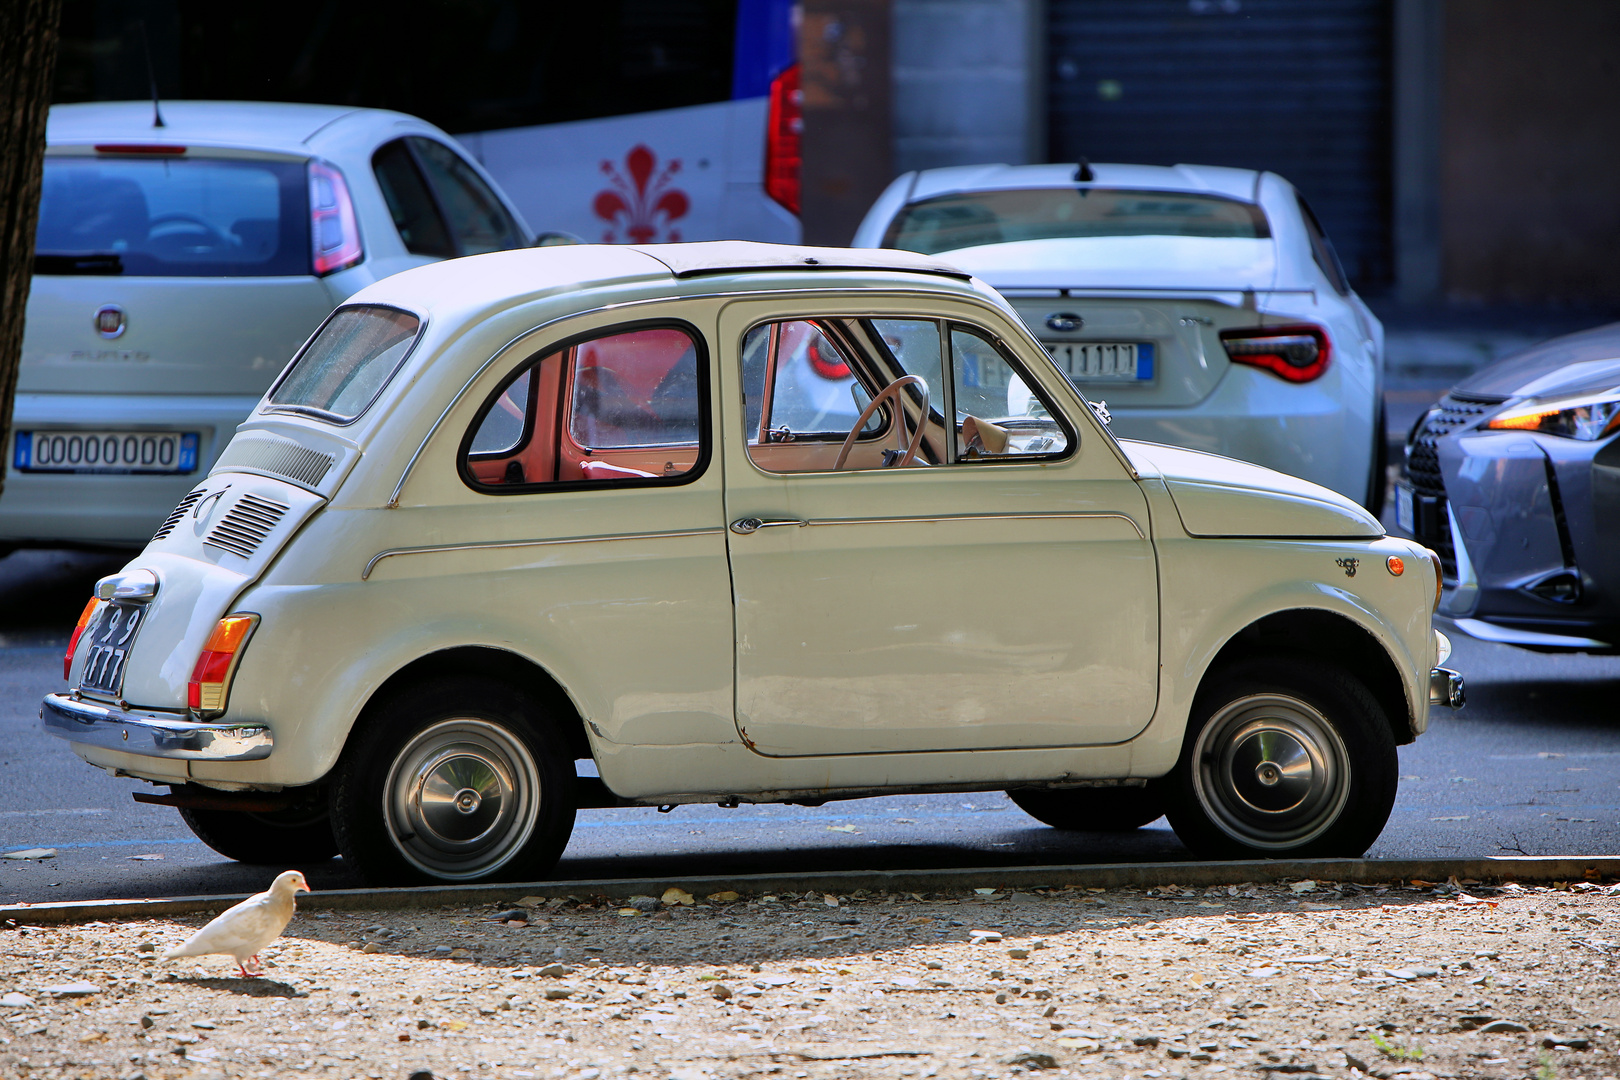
(744, 526)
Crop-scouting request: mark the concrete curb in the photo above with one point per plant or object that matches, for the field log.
(1105, 876)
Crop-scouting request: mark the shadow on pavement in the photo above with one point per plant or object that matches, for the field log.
(42, 591)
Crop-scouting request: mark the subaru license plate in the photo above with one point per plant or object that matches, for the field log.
(1103, 361)
(106, 451)
(110, 638)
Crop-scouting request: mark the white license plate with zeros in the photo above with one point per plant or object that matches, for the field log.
(106, 451)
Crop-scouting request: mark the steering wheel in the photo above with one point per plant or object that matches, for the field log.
(890, 393)
(214, 235)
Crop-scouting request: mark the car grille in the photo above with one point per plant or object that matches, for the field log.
(243, 529)
(177, 513)
(1455, 411)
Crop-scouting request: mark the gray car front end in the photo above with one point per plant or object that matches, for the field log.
(1514, 478)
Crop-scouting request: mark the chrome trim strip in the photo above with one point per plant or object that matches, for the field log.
(1043, 292)
(976, 517)
(157, 735)
(496, 544)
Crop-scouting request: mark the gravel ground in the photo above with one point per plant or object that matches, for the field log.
(1288, 981)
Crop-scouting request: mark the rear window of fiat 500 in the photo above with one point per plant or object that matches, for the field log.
(997, 217)
(341, 372)
(173, 216)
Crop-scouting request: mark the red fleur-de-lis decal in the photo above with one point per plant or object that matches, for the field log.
(643, 203)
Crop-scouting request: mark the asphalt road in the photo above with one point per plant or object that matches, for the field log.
(1531, 766)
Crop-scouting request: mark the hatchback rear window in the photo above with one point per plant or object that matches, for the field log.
(173, 217)
(998, 217)
(341, 372)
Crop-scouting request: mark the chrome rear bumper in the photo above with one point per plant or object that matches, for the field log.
(1446, 688)
(159, 735)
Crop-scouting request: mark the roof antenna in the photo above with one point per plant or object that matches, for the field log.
(1083, 173)
(151, 75)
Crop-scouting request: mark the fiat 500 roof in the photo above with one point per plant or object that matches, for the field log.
(733, 256)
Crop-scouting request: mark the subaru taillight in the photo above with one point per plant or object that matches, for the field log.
(78, 632)
(334, 234)
(1296, 353)
(210, 684)
(782, 130)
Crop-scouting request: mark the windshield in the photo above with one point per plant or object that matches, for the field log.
(348, 363)
(173, 217)
(974, 218)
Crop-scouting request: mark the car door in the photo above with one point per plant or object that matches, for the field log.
(997, 592)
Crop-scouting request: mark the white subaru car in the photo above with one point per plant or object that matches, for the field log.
(1205, 305)
(512, 513)
(178, 267)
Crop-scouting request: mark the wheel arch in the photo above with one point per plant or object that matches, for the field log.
(499, 665)
(1328, 636)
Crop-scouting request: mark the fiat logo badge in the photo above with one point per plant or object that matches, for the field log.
(1064, 321)
(109, 321)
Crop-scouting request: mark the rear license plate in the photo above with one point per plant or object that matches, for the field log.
(106, 451)
(1405, 516)
(110, 639)
(1113, 361)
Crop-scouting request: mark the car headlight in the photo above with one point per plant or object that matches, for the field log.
(1587, 417)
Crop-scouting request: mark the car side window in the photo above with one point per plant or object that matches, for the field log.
(999, 415)
(1322, 250)
(410, 203)
(439, 203)
(477, 218)
(629, 406)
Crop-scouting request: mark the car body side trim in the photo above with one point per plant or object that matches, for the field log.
(499, 544)
(152, 734)
(1078, 515)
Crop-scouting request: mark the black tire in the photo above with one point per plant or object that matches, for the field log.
(454, 780)
(1112, 809)
(1324, 768)
(297, 835)
(1378, 481)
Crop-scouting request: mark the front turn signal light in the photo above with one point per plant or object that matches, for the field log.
(210, 683)
(78, 632)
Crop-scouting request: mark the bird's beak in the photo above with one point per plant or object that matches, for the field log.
(302, 887)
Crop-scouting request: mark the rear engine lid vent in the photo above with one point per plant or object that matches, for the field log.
(276, 455)
(245, 525)
(177, 513)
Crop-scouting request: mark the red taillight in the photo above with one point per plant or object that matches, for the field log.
(1296, 353)
(210, 683)
(334, 234)
(782, 131)
(139, 148)
(78, 631)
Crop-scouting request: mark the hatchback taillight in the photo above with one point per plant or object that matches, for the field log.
(210, 684)
(782, 130)
(78, 632)
(1296, 353)
(334, 233)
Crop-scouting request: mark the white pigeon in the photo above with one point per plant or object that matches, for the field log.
(248, 927)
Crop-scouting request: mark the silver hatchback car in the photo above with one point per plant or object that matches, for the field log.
(177, 269)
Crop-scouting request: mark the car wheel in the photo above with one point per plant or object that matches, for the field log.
(458, 780)
(298, 834)
(1112, 809)
(1283, 759)
(1378, 481)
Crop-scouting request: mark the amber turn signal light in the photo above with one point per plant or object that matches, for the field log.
(78, 632)
(210, 683)
(1396, 564)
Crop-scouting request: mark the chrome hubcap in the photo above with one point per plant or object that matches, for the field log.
(1272, 771)
(462, 799)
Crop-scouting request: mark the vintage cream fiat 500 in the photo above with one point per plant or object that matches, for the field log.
(737, 523)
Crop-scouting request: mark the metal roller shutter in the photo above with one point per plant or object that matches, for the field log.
(1299, 87)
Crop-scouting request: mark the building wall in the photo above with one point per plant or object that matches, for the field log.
(969, 82)
(1530, 151)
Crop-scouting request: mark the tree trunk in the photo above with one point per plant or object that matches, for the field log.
(28, 33)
